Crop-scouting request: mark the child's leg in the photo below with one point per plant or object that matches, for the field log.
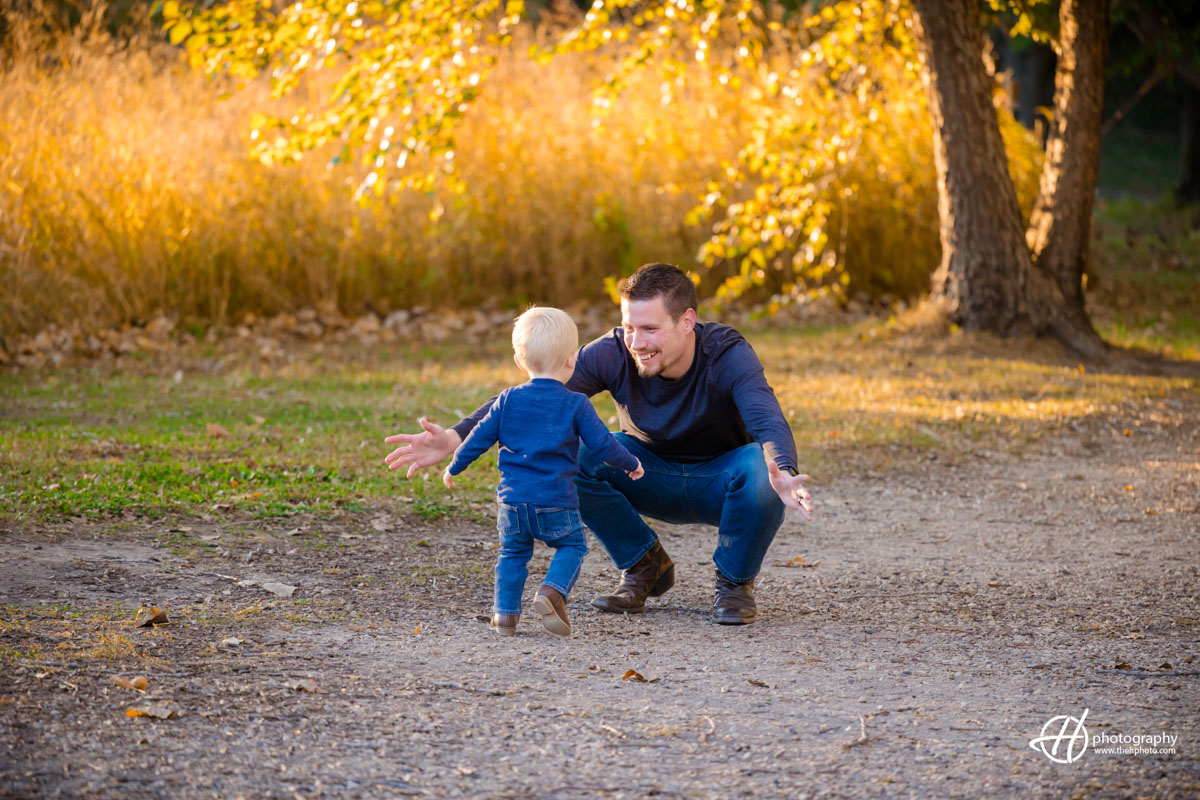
(516, 548)
(562, 530)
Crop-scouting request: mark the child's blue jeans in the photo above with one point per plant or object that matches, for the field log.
(518, 525)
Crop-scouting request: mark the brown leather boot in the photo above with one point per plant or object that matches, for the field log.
(734, 604)
(505, 624)
(551, 606)
(650, 577)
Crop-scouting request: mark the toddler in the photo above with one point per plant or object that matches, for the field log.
(538, 425)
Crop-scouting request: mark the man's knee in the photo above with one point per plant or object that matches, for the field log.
(749, 468)
(751, 477)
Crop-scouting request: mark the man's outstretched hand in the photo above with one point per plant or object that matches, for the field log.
(790, 489)
(420, 450)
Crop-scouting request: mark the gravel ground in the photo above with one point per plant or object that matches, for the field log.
(912, 641)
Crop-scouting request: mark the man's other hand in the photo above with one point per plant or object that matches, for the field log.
(790, 489)
(420, 450)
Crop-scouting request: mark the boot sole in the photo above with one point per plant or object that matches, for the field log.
(551, 621)
(603, 606)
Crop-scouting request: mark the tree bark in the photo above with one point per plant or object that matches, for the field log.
(1061, 223)
(985, 269)
(987, 279)
(1187, 192)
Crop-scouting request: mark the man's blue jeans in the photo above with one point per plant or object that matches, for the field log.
(731, 492)
(518, 525)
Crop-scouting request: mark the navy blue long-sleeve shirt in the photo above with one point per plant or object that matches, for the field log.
(539, 425)
(722, 403)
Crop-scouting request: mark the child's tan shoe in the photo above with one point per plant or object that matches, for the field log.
(551, 606)
(505, 624)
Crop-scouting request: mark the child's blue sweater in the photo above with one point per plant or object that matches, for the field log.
(539, 425)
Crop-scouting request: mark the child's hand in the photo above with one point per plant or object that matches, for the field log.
(637, 473)
(447, 478)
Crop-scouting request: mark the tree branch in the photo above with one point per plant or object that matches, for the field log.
(1159, 73)
(1150, 30)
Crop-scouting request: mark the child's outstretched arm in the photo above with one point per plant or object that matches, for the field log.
(601, 441)
(478, 442)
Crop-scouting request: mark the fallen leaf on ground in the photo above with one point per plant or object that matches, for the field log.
(303, 686)
(232, 641)
(281, 589)
(150, 616)
(633, 675)
(153, 710)
(799, 561)
(217, 430)
(754, 682)
(137, 682)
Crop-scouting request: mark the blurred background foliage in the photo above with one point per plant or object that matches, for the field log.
(128, 190)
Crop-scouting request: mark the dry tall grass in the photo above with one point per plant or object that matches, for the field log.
(126, 191)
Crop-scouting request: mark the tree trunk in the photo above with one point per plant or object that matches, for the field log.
(1061, 223)
(985, 268)
(987, 279)
(1035, 71)
(1187, 192)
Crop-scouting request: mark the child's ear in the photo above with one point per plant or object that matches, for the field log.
(573, 358)
(517, 361)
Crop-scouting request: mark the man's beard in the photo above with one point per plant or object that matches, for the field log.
(648, 371)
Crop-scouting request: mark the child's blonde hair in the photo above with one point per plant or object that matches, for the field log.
(544, 338)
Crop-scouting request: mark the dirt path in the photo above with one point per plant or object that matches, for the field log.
(944, 613)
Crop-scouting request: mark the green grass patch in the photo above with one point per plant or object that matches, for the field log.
(1145, 276)
(98, 442)
(307, 436)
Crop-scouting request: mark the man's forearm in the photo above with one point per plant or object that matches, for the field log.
(464, 426)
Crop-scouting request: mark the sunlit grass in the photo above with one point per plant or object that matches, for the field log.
(307, 437)
(275, 447)
(857, 404)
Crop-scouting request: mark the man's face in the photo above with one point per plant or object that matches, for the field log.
(659, 345)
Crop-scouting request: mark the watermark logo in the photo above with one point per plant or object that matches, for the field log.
(1064, 740)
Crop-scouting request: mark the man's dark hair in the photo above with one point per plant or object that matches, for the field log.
(662, 280)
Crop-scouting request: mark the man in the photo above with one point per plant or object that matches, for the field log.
(695, 408)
